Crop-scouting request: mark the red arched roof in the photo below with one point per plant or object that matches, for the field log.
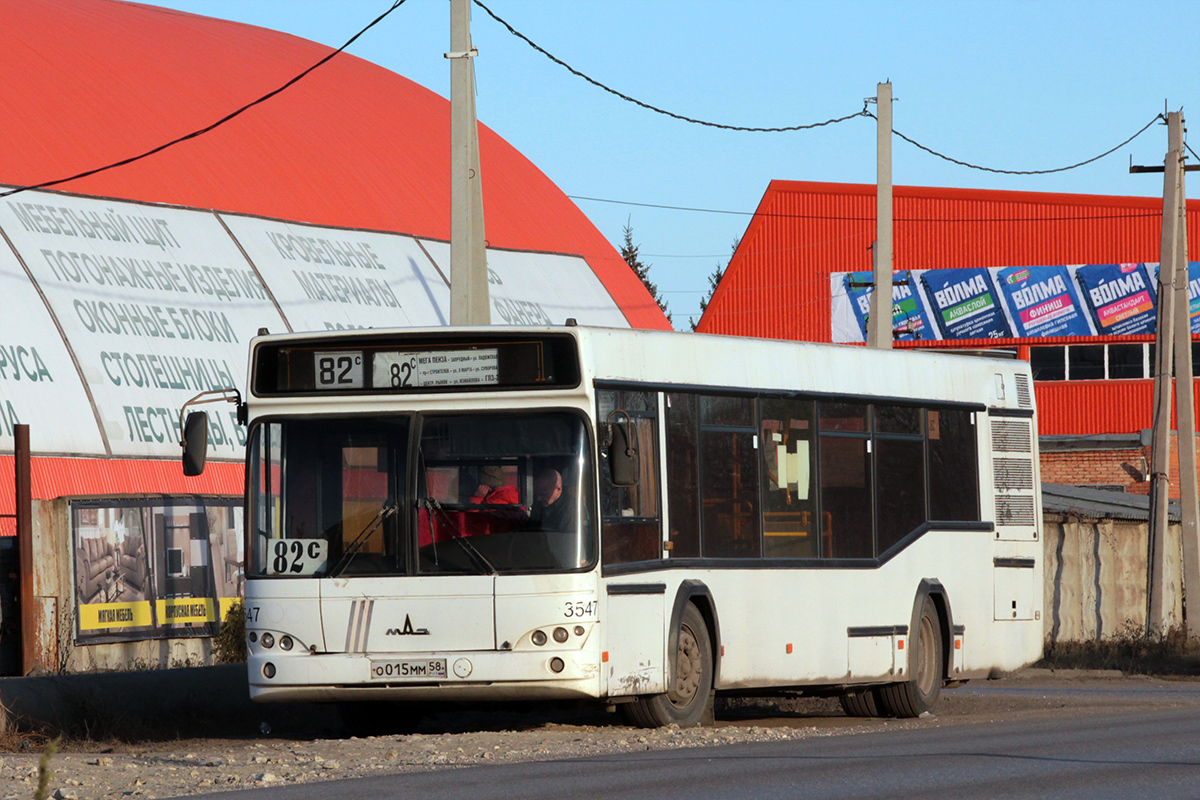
(89, 82)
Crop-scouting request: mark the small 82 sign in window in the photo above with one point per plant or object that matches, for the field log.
(338, 369)
(296, 556)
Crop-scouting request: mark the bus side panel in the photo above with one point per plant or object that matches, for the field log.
(634, 657)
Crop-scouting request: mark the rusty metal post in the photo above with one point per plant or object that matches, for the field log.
(24, 489)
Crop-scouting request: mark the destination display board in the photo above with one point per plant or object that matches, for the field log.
(154, 568)
(414, 363)
(1013, 302)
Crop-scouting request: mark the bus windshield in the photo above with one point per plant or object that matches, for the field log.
(495, 493)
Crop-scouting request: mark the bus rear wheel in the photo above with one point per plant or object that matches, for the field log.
(920, 692)
(689, 696)
(861, 702)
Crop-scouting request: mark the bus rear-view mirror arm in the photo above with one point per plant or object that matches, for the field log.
(194, 429)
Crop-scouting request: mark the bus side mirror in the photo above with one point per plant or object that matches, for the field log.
(195, 443)
(621, 450)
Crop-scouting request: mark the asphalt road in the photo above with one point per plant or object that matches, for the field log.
(1147, 747)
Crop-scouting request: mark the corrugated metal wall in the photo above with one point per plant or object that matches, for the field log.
(777, 283)
(63, 477)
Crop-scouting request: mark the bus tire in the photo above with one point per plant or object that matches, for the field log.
(365, 718)
(920, 692)
(861, 702)
(689, 697)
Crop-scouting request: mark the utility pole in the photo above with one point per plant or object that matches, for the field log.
(1185, 403)
(879, 323)
(1160, 448)
(469, 303)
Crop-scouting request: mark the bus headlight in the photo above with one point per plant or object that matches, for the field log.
(539, 638)
(268, 670)
(561, 635)
(267, 640)
(285, 642)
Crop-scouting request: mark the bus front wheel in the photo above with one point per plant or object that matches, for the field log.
(920, 692)
(689, 696)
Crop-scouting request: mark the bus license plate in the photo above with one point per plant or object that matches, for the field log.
(408, 670)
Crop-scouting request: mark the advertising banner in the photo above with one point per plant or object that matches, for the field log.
(540, 288)
(327, 279)
(39, 386)
(965, 304)
(1042, 301)
(1119, 297)
(157, 305)
(154, 568)
(1017, 302)
(910, 315)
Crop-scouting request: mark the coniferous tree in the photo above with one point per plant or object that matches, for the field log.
(713, 280)
(629, 252)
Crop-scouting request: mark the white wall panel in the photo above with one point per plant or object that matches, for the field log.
(39, 386)
(540, 288)
(333, 279)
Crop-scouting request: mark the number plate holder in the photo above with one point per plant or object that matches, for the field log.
(408, 669)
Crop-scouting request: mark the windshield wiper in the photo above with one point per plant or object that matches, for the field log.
(463, 540)
(360, 541)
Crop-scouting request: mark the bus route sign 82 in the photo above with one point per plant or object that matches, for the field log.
(338, 369)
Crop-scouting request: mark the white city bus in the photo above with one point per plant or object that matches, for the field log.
(642, 518)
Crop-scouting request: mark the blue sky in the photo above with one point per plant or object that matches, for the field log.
(1011, 85)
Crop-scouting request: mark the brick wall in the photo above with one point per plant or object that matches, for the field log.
(1126, 467)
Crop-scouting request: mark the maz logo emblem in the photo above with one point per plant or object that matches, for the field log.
(407, 630)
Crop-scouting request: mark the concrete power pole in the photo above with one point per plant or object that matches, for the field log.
(469, 303)
(879, 323)
(1185, 403)
(1160, 448)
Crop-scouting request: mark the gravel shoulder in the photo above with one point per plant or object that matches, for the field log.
(290, 753)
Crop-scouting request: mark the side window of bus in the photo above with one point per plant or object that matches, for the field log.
(729, 478)
(847, 523)
(953, 471)
(789, 453)
(630, 529)
(899, 474)
(683, 479)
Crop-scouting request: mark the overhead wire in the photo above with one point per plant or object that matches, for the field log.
(843, 218)
(213, 126)
(656, 109)
(969, 165)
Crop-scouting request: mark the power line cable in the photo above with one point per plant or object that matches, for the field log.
(214, 125)
(656, 109)
(945, 157)
(837, 218)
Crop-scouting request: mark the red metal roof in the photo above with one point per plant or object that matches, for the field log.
(777, 283)
(63, 477)
(89, 82)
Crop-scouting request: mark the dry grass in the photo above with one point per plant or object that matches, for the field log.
(1133, 650)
